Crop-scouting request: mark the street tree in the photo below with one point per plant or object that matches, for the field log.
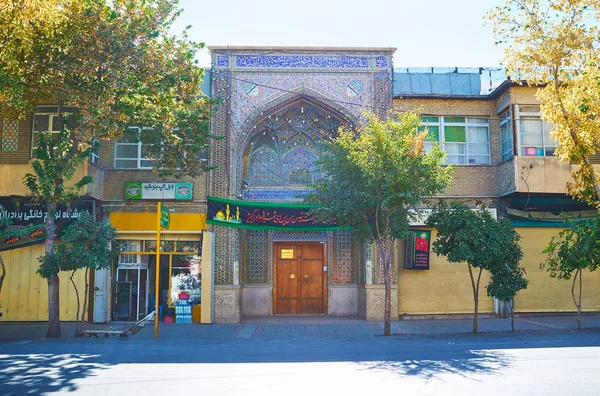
(374, 179)
(576, 249)
(108, 65)
(86, 244)
(508, 277)
(476, 238)
(554, 45)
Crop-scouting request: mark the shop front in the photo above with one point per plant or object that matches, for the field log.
(133, 277)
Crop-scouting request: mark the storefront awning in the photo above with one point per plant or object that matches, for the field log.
(140, 222)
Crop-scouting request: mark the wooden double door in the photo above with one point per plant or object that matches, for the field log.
(300, 278)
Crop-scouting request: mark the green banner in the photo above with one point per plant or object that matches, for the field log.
(264, 215)
(27, 221)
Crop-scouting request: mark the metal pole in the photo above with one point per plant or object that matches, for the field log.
(157, 270)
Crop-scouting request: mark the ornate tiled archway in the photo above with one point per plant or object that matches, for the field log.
(278, 107)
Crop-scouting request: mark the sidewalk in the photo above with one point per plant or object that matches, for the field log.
(316, 326)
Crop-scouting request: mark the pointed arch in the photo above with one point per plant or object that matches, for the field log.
(290, 136)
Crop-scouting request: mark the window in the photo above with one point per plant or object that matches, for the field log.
(534, 133)
(300, 177)
(506, 136)
(129, 260)
(130, 153)
(465, 140)
(94, 158)
(46, 119)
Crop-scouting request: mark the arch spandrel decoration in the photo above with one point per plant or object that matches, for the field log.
(282, 146)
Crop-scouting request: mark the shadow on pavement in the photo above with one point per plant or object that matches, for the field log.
(472, 362)
(46, 366)
(38, 374)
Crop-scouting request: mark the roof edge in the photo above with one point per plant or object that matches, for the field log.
(489, 96)
(214, 48)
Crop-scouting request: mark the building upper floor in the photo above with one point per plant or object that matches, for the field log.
(495, 137)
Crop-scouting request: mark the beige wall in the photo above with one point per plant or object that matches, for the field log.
(545, 294)
(11, 178)
(523, 95)
(444, 289)
(24, 295)
(542, 174)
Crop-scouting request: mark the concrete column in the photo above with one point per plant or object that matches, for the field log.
(208, 281)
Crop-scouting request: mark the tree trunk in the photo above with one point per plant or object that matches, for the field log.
(587, 161)
(475, 296)
(511, 304)
(53, 281)
(3, 273)
(475, 313)
(78, 303)
(85, 297)
(53, 307)
(384, 250)
(387, 318)
(579, 307)
(577, 304)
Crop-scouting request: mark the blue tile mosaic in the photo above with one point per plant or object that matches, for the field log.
(222, 61)
(299, 61)
(381, 61)
(277, 195)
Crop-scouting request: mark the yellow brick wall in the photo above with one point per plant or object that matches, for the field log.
(444, 289)
(478, 180)
(24, 295)
(545, 294)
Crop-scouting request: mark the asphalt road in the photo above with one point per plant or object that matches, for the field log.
(484, 364)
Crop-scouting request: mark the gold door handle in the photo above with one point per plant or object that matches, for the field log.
(292, 276)
(306, 276)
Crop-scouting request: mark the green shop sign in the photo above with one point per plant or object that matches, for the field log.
(159, 191)
(264, 215)
(165, 217)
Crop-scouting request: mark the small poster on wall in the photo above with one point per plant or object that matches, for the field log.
(417, 250)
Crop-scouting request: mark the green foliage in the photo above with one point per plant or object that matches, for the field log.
(86, 243)
(507, 280)
(56, 163)
(375, 178)
(118, 63)
(554, 45)
(576, 248)
(477, 238)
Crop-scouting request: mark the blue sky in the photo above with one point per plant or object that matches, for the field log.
(425, 32)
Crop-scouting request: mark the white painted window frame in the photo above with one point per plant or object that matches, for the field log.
(51, 115)
(518, 117)
(139, 158)
(506, 119)
(442, 123)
